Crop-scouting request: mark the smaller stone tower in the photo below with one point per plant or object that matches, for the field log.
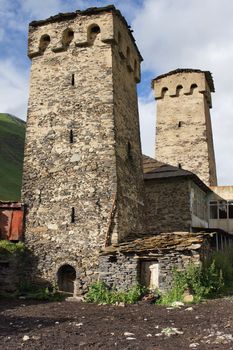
(183, 128)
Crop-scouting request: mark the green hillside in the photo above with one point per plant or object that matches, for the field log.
(12, 134)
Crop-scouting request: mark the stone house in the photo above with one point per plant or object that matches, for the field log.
(96, 208)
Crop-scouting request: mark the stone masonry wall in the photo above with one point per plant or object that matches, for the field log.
(122, 271)
(119, 271)
(183, 130)
(130, 184)
(167, 205)
(72, 170)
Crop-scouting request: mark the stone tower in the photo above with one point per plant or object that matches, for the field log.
(83, 179)
(183, 129)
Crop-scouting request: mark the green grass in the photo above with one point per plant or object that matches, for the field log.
(12, 135)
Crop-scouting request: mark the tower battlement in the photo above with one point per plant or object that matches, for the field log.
(70, 31)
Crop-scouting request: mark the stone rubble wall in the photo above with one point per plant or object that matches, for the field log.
(122, 271)
(168, 205)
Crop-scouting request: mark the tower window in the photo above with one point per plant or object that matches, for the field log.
(179, 165)
(93, 32)
(129, 150)
(179, 124)
(71, 136)
(67, 37)
(72, 80)
(44, 42)
(72, 215)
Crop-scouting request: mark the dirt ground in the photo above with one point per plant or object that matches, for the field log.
(76, 325)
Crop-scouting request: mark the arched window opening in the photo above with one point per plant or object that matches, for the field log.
(178, 89)
(44, 42)
(164, 91)
(67, 37)
(66, 277)
(93, 32)
(192, 88)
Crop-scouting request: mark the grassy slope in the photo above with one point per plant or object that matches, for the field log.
(12, 134)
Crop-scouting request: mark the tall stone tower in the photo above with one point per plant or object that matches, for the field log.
(83, 179)
(183, 131)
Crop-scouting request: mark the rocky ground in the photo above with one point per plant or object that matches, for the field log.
(75, 325)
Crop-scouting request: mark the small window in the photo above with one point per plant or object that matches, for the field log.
(44, 42)
(129, 150)
(179, 165)
(164, 91)
(178, 89)
(193, 87)
(72, 79)
(230, 209)
(213, 210)
(222, 210)
(93, 32)
(67, 37)
(72, 215)
(179, 124)
(71, 136)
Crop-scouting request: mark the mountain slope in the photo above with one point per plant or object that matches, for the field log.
(12, 135)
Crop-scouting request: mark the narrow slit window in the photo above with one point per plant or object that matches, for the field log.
(179, 124)
(72, 80)
(179, 165)
(72, 215)
(129, 150)
(71, 136)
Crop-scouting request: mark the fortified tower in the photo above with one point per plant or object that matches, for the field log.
(83, 179)
(183, 131)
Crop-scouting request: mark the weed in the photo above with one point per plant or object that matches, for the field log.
(100, 293)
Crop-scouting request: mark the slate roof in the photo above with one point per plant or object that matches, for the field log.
(155, 170)
(162, 243)
(208, 75)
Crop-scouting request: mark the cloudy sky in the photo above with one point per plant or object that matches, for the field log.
(170, 34)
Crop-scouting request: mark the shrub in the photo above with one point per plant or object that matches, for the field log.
(202, 281)
(12, 248)
(100, 293)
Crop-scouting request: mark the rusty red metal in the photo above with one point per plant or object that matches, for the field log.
(11, 221)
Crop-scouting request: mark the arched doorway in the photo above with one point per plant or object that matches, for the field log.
(66, 277)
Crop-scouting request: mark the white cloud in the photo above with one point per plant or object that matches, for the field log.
(147, 124)
(13, 87)
(195, 34)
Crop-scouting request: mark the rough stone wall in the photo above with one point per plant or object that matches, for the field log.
(122, 271)
(11, 272)
(130, 184)
(119, 271)
(183, 131)
(72, 171)
(167, 205)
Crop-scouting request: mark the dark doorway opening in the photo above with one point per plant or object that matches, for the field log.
(66, 277)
